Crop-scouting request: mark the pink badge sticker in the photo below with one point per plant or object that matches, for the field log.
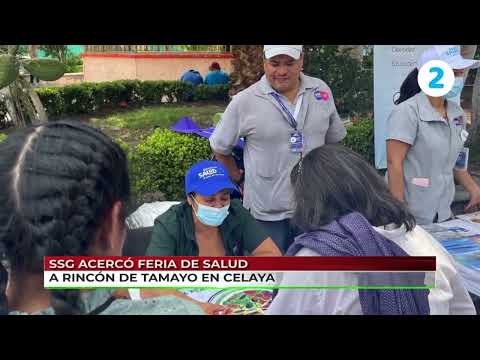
(324, 95)
(321, 95)
(423, 182)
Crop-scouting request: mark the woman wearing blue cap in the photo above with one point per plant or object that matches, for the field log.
(425, 143)
(208, 222)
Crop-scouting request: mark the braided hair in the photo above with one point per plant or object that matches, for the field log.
(58, 181)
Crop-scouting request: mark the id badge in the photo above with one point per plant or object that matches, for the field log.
(462, 160)
(296, 142)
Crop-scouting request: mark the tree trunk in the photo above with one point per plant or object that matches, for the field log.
(8, 100)
(18, 112)
(23, 104)
(247, 66)
(38, 114)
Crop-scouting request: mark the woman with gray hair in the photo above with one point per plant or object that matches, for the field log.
(345, 209)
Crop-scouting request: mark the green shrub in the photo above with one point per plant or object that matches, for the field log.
(109, 93)
(90, 97)
(211, 92)
(178, 91)
(351, 81)
(152, 92)
(129, 91)
(2, 137)
(79, 98)
(52, 100)
(360, 139)
(125, 147)
(161, 161)
(216, 118)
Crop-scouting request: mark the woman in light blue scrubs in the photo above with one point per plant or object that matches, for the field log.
(425, 143)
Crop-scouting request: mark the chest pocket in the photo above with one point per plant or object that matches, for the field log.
(316, 120)
(268, 139)
(433, 135)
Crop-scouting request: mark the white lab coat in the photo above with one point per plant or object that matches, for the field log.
(449, 297)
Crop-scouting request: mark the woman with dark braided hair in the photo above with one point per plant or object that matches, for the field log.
(63, 190)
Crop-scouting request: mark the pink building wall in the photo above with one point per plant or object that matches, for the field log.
(99, 67)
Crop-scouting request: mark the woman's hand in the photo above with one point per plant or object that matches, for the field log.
(214, 309)
(209, 309)
(474, 200)
(466, 180)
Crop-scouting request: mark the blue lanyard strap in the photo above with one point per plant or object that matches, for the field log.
(291, 120)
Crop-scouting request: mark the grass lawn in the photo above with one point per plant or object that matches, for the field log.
(132, 126)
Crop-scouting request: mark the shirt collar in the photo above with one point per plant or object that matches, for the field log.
(305, 83)
(428, 113)
(391, 230)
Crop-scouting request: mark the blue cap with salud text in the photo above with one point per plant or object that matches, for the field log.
(207, 177)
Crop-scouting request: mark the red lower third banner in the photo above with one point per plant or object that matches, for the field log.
(240, 272)
(284, 263)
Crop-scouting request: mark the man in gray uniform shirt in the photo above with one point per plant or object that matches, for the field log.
(282, 117)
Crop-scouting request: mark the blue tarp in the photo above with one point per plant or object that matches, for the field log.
(187, 126)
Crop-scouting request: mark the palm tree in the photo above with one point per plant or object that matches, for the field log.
(247, 66)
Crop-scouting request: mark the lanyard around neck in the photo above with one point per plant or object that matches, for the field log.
(292, 119)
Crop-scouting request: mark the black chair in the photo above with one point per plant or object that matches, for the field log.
(137, 241)
(476, 302)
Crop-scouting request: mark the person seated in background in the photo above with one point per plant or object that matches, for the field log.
(64, 187)
(345, 209)
(216, 76)
(209, 222)
(192, 76)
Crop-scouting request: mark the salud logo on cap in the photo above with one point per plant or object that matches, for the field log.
(207, 177)
(452, 51)
(208, 172)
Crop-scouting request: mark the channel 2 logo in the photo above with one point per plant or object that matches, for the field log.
(436, 78)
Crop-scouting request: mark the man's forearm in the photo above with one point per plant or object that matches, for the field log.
(229, 162)
(466, 180)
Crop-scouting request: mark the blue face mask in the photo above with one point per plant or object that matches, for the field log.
(209, 215)
(454, 94)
